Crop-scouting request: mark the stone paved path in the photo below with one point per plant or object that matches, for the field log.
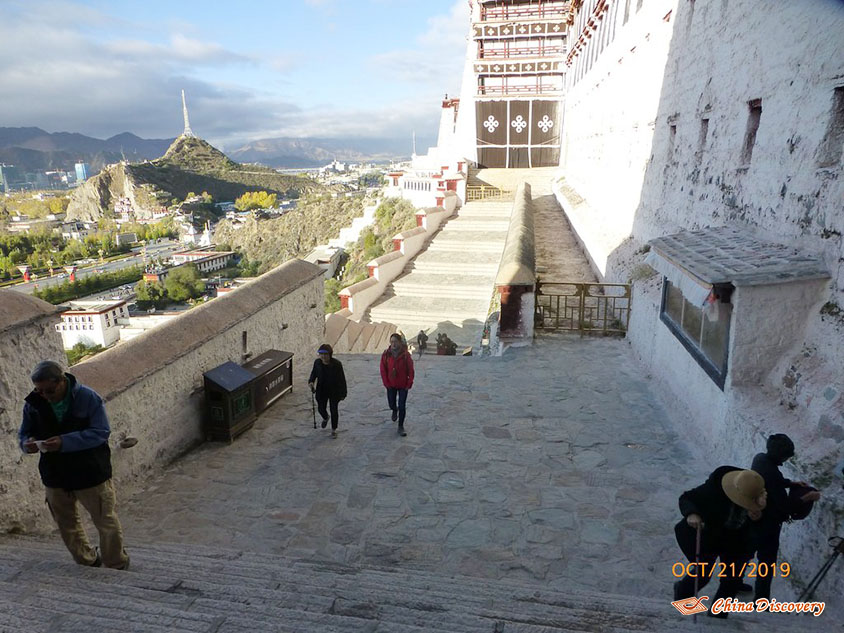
(552, 464)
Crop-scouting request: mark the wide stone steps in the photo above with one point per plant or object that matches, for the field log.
(348, 336)
(480, 224)
(455, 266)
(486, 208)
(186, 588)
(403, 309)
(448, 287)
(432, 285)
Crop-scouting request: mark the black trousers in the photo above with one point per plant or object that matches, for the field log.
(768, 545)
(728, 549)
(324, 399)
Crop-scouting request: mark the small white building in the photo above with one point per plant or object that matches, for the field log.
(74, 231)
(125, 238)
(205, 261)
(327, 258)
(92, 323)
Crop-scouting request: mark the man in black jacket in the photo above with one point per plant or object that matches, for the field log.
(66, 421)
(330, 387)
(722, 508)
(779, 448)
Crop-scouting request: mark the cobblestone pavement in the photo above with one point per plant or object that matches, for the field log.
(553, 463)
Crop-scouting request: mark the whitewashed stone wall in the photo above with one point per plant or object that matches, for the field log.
(25, 341)
(637, 165)
(153, 384)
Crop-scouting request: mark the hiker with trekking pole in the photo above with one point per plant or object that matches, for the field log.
(717, 517)
(328, 386)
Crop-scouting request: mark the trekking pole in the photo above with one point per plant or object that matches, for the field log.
(837, 544)
(697, 565)
(313, 405)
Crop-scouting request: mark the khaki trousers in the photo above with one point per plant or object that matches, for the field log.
(100, 503)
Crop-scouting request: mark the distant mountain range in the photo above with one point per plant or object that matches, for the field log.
(287, 152)
(32, 148)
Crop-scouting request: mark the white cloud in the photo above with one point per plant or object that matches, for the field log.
(59, 74)
(439, 55)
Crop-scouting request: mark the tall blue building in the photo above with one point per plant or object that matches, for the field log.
(82, 170)
(10, 176)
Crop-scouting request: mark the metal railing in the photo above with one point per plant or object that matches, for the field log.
(588, 308)
(486, 192)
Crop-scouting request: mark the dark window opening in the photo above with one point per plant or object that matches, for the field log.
(704, 132)
(832, 146)
(703, 330)
(754, 115)
(672, 138)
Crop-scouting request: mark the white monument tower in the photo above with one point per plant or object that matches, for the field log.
(188, 131)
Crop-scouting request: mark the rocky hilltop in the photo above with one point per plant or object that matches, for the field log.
(189, 165)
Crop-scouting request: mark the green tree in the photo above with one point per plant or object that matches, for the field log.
(183, 283)
(80, 351)
(249, 268)
(150, 294)
(332, 301)
(255, 200)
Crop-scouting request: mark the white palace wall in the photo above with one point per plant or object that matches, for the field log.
(656, 124)
(153, 384)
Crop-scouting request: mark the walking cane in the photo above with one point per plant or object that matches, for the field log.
(697, 565)
(313, 405)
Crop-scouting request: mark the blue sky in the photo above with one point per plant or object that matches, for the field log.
(251, 69)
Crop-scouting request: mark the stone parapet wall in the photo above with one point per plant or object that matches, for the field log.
(516, 278)
(27, 336)
(153, 384)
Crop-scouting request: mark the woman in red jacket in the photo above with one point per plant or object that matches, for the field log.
(397, 376)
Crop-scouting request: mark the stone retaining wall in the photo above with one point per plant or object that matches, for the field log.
(153, 384)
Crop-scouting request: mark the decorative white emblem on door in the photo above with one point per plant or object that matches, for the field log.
(491, 123)
(519, 124)
(545, 124)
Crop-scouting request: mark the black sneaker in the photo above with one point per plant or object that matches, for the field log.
(98, 562)
(333, 435)
(124, 566)
(402, 432)
(324, 422)
(395, 415)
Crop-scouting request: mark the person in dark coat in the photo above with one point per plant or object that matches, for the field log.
(779, 509)
(67, 423)
(328, 383)
(397, 375)
(723, 508)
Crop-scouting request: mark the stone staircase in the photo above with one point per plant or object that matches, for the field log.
(184, 588)
(352, 337)
(448, 288)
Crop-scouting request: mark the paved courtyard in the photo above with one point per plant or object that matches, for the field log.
(553, 464)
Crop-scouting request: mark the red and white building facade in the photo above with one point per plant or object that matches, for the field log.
(514, 83)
